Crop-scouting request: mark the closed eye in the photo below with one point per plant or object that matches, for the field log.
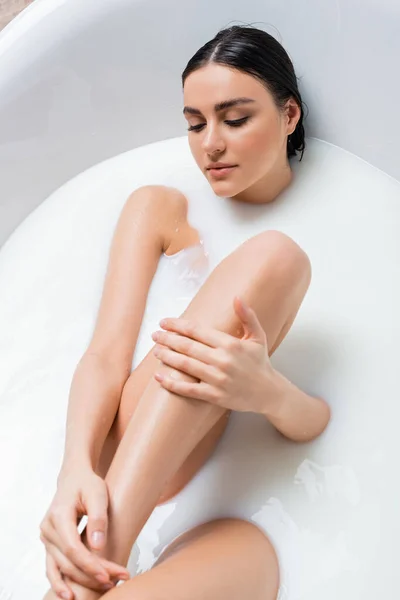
(237, 122)
(234, 123)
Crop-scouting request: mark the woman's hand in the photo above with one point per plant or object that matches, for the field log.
(80, 491)
(233, 373)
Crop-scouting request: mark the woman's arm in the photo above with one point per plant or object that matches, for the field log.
(93, 402)
(145, 229)
(295, 414)
(148, 225)
(245, 382)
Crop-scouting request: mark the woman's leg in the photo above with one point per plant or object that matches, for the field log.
(222, 560)
(272, 274)
(131, 394)
(227, 559)
(142, 374)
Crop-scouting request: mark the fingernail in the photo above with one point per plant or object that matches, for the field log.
(64, 595)
(98, 537)
(154, 335)
(163, 322)
(158, 377)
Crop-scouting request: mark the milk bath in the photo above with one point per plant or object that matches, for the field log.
(330, 506)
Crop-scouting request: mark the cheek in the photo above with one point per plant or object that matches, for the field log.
(259, 145)
(255, 148)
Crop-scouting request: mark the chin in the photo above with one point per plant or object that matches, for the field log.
(227, 191)
(223, 191)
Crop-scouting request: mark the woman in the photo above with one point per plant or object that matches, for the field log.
(136, 439)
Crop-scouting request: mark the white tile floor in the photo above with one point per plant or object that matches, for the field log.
(9, 9)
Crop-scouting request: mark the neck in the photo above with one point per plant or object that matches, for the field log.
(269, 187)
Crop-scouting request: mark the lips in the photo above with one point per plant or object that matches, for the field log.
(221, 172)
(216, 166)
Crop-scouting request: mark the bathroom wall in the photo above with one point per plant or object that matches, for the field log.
(9, 9)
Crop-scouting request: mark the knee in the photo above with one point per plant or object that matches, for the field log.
(281, 257)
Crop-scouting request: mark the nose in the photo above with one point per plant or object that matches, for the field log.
(212, 141)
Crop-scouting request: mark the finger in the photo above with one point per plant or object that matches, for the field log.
(103, 572)
(188, 365)
(197, 391)
(185, 345)
(97, 504)
(206, 335)
(66, 538)
(116, 571)
(66, 567)
(252, 326)
(196, 350)
(57, 584)
(113, 569)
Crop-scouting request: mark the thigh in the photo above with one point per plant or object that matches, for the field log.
(226, 560)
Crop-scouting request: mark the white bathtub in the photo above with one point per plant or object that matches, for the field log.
(81, 82)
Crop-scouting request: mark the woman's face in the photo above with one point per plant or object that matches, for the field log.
(234, 120)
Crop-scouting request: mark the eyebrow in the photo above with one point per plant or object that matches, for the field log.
(220, 106)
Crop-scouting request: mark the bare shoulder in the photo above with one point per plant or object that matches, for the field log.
(160, 196)
(169, 207)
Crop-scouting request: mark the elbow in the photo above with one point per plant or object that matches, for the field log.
(326, 415)
(320, 424)
(315, 425)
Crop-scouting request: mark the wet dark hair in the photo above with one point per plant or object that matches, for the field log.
(257, 53)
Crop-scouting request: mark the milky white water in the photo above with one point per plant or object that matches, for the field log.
(331, 506)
